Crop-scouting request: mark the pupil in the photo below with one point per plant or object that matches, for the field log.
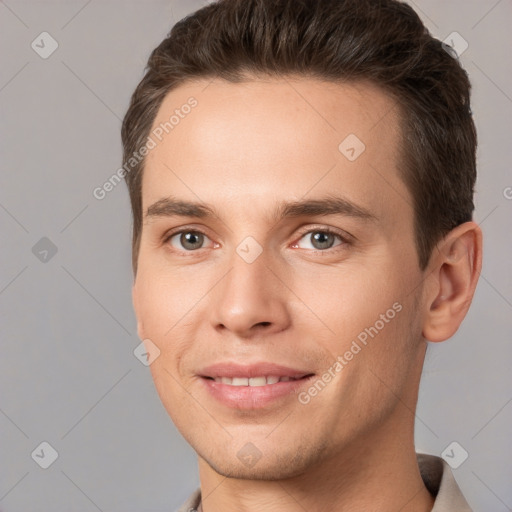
(321, 237)
(190, 240)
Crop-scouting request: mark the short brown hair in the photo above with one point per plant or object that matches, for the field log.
(381, 41)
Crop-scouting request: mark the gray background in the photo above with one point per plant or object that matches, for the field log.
(68, 375)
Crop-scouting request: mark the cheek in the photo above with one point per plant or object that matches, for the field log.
(164, 300)
(349, 298)
(162, 309)
(166, 305)
(373, 323)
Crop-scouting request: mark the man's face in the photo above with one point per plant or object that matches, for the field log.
(280, 296)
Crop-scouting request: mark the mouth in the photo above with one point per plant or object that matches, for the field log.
(256, 381)
(254, 386)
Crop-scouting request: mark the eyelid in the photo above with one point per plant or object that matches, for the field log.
(346, 237)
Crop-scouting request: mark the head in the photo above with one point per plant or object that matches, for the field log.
(330, 151)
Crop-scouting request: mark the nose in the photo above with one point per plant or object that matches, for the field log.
(251, 299)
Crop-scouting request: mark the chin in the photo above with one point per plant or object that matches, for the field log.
(268, 472)
(277, 466)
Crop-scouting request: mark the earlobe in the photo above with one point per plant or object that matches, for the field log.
(453, 277)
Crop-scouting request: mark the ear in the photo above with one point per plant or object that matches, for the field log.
(135, 302)
(452, 277)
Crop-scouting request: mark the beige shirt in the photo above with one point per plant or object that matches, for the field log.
(436, 475)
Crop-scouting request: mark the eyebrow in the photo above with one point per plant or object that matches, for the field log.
(328, 205)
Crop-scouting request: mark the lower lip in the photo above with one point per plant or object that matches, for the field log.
(253, 397)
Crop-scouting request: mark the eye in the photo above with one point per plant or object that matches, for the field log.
(188, 240)
(320, 240)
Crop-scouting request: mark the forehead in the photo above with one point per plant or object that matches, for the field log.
(272, 139)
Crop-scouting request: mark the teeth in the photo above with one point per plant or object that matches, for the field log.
(253, 381)
(257, 381)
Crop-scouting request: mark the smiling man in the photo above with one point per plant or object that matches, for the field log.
(302, 227)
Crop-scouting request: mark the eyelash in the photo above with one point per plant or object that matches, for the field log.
(343, 238)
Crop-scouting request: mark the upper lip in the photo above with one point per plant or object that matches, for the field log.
(229, 369)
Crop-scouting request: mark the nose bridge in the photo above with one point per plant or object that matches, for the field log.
(250, 294)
